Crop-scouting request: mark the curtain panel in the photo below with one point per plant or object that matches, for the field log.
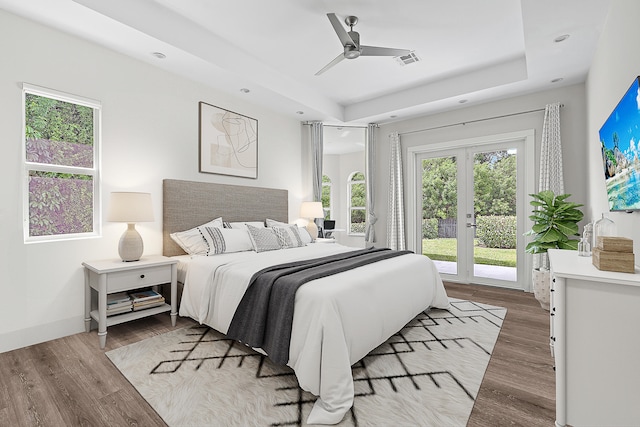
(316, 159)
(395, 222)
(551, 175)
(370, 173)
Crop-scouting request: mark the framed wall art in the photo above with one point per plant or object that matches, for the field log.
(228, 142)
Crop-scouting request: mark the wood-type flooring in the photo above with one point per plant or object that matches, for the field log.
(69, 381)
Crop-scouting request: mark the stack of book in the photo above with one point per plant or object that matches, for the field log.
(118, 303)
(146, 299)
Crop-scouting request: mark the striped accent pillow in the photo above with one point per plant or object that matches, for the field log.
(214, 239)
(288, 236)
(263, 239)
(192, 241)
(225, 240)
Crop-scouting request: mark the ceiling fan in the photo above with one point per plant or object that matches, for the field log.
(351, 43)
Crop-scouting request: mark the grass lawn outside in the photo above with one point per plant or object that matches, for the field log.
(446, 250)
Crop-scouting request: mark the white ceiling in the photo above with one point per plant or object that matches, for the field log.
(471, 51)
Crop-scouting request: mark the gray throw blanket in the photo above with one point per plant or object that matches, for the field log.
(264, 317)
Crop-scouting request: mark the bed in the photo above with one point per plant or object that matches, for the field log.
(337, 319)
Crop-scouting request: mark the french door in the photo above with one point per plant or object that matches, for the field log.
(470, 214)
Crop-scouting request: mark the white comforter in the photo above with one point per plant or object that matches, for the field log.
(337, 319)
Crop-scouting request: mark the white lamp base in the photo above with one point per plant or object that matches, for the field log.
(312, 228)
(130, 247)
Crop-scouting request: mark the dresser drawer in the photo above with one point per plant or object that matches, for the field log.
(138, 278)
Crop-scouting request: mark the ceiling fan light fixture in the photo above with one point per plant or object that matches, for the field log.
(351, 52)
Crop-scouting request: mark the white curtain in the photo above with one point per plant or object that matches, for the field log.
(316, 166)
(317, 150)
(551, 177)
(395, 222)
(369, 174)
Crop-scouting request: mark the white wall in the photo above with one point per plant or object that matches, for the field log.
(615, 65)
(572, 119)
(149, 132)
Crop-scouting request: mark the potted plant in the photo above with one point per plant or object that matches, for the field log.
(555, 222)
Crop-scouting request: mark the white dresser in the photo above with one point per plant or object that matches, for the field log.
(595, 340)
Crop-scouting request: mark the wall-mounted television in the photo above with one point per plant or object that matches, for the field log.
(620, 143)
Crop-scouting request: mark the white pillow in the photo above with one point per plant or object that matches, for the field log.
(192, 241)
(243, 225)
(304, 235)
(226, 240)
(263, 239)
(273, 222)
(288, 236)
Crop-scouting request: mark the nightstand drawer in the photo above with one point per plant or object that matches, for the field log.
(138, 278)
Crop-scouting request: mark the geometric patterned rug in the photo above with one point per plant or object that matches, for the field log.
(428, 374)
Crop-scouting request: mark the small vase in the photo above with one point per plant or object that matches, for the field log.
(584, 247)
(603, 227)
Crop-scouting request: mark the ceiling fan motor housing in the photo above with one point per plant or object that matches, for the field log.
(352, 52)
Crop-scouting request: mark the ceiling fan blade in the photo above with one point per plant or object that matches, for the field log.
(344, 37)
(331, 64)
(382, 51)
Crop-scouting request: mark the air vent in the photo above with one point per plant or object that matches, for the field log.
(407, 59)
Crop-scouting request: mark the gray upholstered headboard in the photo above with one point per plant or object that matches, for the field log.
(187, 204)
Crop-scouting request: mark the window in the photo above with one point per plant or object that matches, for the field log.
(326, 196)
(357, 203)
(61, 188)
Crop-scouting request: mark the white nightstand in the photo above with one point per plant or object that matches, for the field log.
(110, 276)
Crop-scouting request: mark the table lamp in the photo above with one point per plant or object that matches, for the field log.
(130, 207)
(311, 211)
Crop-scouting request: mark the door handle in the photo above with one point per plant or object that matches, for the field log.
(469, 225)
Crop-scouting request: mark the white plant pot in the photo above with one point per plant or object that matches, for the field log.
(542, 287)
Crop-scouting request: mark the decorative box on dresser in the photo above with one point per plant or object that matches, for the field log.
(595, 341)
(111, 276)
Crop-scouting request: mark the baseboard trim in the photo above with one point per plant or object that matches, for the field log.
(41, 333)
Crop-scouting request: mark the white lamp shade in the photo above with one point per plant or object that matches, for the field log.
(311, 210)
(130, 207)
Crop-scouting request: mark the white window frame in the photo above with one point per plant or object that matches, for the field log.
(350, 183)
(42, 167)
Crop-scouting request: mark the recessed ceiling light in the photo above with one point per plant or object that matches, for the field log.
(159, 55)
(245, 90)
(561, 38)
(299, 112)
(559, 79)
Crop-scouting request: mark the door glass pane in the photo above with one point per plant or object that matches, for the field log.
(494, 249)
(439, 212)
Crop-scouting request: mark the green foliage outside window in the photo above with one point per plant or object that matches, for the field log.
(358, 203)
(494, 176)
(326, 196)
(61, 134)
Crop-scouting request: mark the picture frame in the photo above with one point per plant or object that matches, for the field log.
(228, 142)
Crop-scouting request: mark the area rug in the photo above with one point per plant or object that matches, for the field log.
(428, 374)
